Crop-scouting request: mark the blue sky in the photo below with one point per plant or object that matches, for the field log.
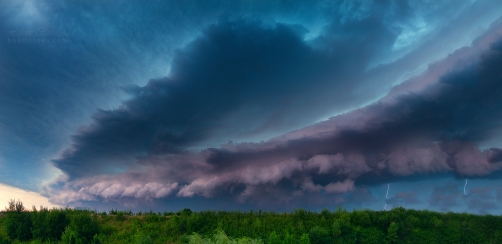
(253, 104)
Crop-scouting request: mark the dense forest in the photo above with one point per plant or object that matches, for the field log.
(399, 225)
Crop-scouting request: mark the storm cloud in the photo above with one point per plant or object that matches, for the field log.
(251, 103)
(433, 130)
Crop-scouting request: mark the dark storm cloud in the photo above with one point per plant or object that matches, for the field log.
(213, 76)
(261, 70)
(50, 88)
(429, 131)
(239, 78)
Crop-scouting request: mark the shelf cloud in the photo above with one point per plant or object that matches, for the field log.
(253, 104)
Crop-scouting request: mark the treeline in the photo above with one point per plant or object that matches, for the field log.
(398, 225)
(47, 226)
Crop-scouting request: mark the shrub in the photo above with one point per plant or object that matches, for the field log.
(220, 237)
(70, 236)
(120, 216)
(49, 225)
(195, 239)
(82, 229)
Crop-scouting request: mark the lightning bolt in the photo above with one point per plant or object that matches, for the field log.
(386, 197)
(465, 186)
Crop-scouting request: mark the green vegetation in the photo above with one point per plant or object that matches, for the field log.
(398, 225)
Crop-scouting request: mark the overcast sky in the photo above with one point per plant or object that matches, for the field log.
(253, 104)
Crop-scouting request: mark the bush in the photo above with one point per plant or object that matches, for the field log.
(49, 225)
(195, 239)
(120, 216)
(220, 237)
(39, 230)
(18, 223)
(70, 236)
(82, 229)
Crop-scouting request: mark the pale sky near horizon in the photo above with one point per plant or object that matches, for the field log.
(28, 198)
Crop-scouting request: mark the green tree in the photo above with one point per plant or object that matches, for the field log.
(299, 215)
(96, 240)
(289, 239)
(344, 221)
(319, 235)
(305, 239)
(195, 239)
(273, 238)
(361, 218)
(220, 237)
(335, 228)
(372, 235)
(300, 229)
(18, 222)
(70, 236)
(392, 231)
(49, 225)
(140, 238)
(257, 227)
(4, 240)
(82, 229)
(40, 229)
